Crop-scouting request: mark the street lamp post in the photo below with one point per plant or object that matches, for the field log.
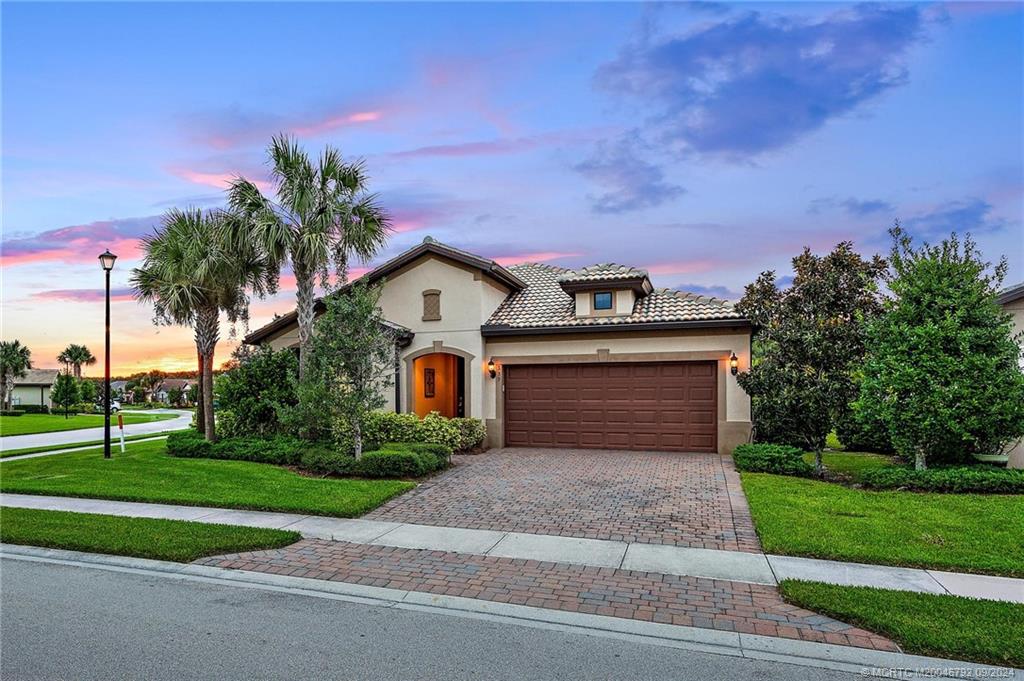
(107, 263)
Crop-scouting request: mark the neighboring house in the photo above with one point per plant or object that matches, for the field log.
(34, 388)
(169, 384)
(1012, 300)
(592, 358)
(116, 389)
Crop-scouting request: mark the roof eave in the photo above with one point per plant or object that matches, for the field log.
(640, 285)
(496, 330)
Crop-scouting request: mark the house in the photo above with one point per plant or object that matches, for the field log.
(162, 393)
(1012, 300)
(549, 357)
(34, 388)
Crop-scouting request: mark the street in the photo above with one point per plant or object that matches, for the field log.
(64, 622)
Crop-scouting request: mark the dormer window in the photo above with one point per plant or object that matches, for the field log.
(603, 300)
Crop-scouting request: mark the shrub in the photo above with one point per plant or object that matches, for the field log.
(34, 408)
(396, 464)
(84, 408)
(281, 450)
(437, 428)
(861, 432)
(954, 479)
(12, 412)
(442, 451)
(326, 461)
(472, 434)
(189, 444)
(254, 390)
(386, 426)
(767, 458)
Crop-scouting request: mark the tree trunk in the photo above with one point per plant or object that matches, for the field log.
(200, 421)
(207, 333)
(305, 311)
(919, 460)
(819, 464)
(357, 439)
(78, 372)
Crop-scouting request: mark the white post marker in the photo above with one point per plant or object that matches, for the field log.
(120, 427)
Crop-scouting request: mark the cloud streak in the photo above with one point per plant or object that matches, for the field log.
(79, 243)
(82, 295)
(632, 183)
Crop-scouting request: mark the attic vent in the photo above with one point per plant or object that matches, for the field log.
(432, 305)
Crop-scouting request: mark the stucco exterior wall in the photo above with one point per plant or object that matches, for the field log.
(1016, 310)
(31, 394)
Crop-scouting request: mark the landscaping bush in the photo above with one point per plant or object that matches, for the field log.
(437, 428)
(12, 412)
(472, 434)
(189, 444)
(386, 426)
(861, 432)
(34, 408)
(255, 390)
(442, 451)
(397, 464)
(954, 479)
(281, 450)
(326, 461)
(767, 458)
(81, 408)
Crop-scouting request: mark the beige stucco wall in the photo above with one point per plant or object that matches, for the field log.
(29, 394)
(1016, 309)
(734, 410)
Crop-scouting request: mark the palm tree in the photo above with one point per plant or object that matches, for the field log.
(74, 356)
(323, 213)
(190, 274)
(15, 361)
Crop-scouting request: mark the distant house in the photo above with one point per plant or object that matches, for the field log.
(34, 388)
(116, 389)
(162, 393)
(1012, 300)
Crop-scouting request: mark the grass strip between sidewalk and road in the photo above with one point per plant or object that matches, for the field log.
(115, 443)
(175, 540)
(30, 424)
(145, 473)
(979, 533)
(988, 632)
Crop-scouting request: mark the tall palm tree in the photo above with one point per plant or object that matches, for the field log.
(322, 214)
(15, 360)
(191, 274)
(74, 356)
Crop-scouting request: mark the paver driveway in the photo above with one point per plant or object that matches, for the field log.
(655, 498)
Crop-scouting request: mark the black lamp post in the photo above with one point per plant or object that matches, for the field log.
(107, 262)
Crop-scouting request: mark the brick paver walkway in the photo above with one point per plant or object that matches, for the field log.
(690, 500)
(686, 601)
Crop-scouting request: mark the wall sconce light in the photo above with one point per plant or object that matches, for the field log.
(734, 364)
(490, 368)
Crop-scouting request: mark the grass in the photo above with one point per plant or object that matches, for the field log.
(146, 473)
(159, 539)
(850, 463)
(27, 424)
(115, 442)
(961, 532)
(988, 632)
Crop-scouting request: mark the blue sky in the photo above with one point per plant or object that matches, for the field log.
(706, 142)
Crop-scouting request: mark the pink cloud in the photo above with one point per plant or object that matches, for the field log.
(231, 128)
(334, 122)
(216, 180)
(79, 243)
(537, 256)
(84, 295)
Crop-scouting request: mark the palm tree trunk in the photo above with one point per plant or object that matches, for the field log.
(200, 389)
(207, 333)
(78, 371)
(305, 310)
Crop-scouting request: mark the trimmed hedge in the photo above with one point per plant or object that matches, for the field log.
(954, 479)
(386, 463)
(34, 408)
(458, 434)
(767, 458)
(12, 412)
(278, 450)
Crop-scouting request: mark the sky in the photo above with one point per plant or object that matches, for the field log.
(705, 142)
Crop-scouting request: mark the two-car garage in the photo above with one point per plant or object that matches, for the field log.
(660, 406)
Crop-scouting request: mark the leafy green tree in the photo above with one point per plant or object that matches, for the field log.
(323, 213)
(191, 273)
(74, 356)
(942, 368)
(175, 396)
(65, 392)
(88, 391)
(15, 361)
(351, 361)
(809, 340)
(258, 385)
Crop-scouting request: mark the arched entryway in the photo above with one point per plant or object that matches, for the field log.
(439, 384)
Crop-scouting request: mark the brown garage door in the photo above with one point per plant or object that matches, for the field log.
(668, 406)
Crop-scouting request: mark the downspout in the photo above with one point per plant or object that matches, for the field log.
(398, 381)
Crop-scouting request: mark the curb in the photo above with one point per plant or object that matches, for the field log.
(805, 653)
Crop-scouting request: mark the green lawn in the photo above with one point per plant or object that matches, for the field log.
(989, 632)
(115, 442)
(27, 424)
(960, 532)
(851, 463)
(146, 473)
(175, 540)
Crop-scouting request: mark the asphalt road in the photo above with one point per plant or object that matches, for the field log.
(61, 622)
(70, 437)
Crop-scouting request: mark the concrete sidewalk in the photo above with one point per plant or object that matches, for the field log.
(72, 437)
(735, 566)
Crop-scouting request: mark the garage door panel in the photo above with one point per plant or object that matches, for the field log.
(647, 406)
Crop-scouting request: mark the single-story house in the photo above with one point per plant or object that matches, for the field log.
(162, 393)
(1012, 300)
(34, 388)
(595, 357)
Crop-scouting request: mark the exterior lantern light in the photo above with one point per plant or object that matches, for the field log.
(107, 262)
(490, 368)
(734, 364)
